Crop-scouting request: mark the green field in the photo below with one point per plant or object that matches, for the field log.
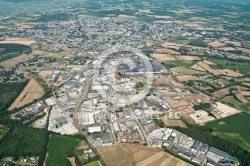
(61, 147)
(234, 128)
(245, 107)
(242, 67)
(3, 131)
(96, 163)
(186, 64)
(231, 100)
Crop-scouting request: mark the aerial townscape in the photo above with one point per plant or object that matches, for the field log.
(124, 83)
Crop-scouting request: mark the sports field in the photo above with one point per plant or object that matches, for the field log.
(234, 128)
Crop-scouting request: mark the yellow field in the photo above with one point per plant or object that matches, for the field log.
(138, 155)
(31, 92)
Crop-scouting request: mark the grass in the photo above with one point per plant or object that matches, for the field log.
(61, 147)
(234, 128)
(242, 67)
(186, 64)
(95, 163)
(231, 100)
(245, 107)
(3, 131)
(246, 44)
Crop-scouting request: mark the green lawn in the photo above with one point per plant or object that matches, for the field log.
(61, 147)
(234, 128)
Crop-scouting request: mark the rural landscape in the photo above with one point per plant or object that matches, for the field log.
(124, 83)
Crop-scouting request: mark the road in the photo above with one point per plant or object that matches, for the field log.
(83, 96)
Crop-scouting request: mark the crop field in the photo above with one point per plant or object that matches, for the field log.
(163, 57)
(22, 41)
(58, 154)
(130, 154)
(179, 70)
(242, 67)
(231, 100)
(184, 78)
(234, 128)
(13, 61)
(178, 103)
(32, 91)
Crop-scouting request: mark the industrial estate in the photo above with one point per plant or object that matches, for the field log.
(124, 83)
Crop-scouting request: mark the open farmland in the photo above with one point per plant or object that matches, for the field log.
(32, 91)
(241, 67)
(194, 98)
(221, 110)
(234, 129)
(114, 155)
(178, 103)
(179, 70)
(173, 122)
(226, 72)
(130, 154)
(18, 41)
(184, 78)
(163, 57)
(187, 58)
(185, 112)
(58, 154)
(221, 93)
(13, 61)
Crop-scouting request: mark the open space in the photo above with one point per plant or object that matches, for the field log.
(32, 91)
(234, 128)
(130, 154)
(59, 149)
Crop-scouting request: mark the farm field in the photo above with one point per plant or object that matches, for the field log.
(18, 41)
(57, 154)
(130, 154)
(234, 129)
(32, 91)
(242, 67)
(231, 100)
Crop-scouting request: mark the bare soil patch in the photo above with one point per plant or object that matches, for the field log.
(187, 58)
(222, 110)
(166, 51)
(32, 91)
(221, 93)
(185, 112)
(13, 61)
(23, 41)
(114, 155)
(72, 161)
(178, 103)
(163, 57)
(194, 98)
(217, 44)
(46, 73)
(184, 78)
(173, 122)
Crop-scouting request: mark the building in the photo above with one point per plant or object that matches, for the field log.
(94, 129)
(101, 139)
